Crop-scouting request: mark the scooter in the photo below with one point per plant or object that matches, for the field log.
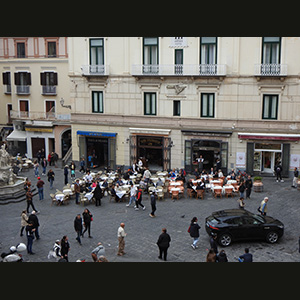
(13, 255)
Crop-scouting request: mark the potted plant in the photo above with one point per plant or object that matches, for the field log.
(258, 185)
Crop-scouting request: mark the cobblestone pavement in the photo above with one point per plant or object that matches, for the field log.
(143, 231)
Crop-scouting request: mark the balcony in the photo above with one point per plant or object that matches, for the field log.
(95, 70)
(179, 70)
(48, 90)
(23, 89)
(37, 115)
(272, 70)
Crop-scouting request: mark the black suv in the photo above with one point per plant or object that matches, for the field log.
(239, 224)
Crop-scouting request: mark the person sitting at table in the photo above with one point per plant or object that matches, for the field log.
(105, 183)
(216, 175)
(197, 174)
(159, 182)
(147, 175)
(211, 172)
(220, 173)
(232, 175)
(88, 177)
(200, 185)
(189, 187)
(119, 181)
(113, 193)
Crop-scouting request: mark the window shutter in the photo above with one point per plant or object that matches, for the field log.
(43, 78)
(28, 78)
(250, 160)
(54, 78)
(285, 160)
(17, 79)
(5, 77)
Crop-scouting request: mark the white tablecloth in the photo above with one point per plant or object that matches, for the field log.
(59, 197)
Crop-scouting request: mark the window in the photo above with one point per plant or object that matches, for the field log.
(208, 55)
(49, 82)
(176, 108)
(207, 105)
(97, 102)
(6, 82)
(51, 47)
(50, 109)
(21, 50)
(23, 82)
(178, 61)
(271, 50)
(24, 108)
(150, 55)
(270, 107)
(96, 52)
(150, 104)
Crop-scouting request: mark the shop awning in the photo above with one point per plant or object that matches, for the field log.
(95, 133)
(269, 136)
(17, 135)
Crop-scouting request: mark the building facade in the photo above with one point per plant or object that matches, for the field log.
(172, 99)
(34, 79)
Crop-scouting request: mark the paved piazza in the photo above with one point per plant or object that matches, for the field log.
(143, 231)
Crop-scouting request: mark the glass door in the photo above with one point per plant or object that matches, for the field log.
(267, 162)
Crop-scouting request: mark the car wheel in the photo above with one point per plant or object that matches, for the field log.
(225, 239)
(272, 237)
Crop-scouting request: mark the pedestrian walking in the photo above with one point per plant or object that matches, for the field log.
(194, 232)
(248, 185)
(34, 220)
(139, 200)
(30, 237)
(98, 194)
(213, 243)
(65, 247)
(97, 252)
(44, 165)
(242, 188)
(121, 238)
(133, 192)
(82, 165)
(278, 170)
(87, 219)
(36, 168)
(24, 221)
(153, 204)
(241, 203)
(77, 191)
(246, 257)
(163, 244)
(263, 206)
(295, 178)
(40, 185)
(55, 252)
(51, 175)
(66, 173)
(72, 168)
(78, 227)
(29, 197)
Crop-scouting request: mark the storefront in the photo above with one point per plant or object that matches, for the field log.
(212, 145)
(98, 148)
(265, 151)
(153, 145)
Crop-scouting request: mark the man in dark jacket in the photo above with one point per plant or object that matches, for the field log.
(194, 232)
(213, 243)
(98, 194)
(33, 219)
(248, 185)
(139, 200)
(78, 227)
(278, 170)
(247, 257)
(163, 244)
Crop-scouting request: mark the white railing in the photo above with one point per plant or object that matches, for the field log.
(270, 70)
(179, 70)
(49, 90)
(22, 89)
(37, 115)
(95, 70)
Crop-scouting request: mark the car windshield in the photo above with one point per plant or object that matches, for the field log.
(259, 218)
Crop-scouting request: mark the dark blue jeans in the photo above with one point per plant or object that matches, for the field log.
(29, 243)
(41, 193)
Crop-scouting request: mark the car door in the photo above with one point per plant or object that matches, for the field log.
(252, 228)
(235, 227)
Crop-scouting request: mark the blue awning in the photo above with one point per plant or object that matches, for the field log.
(95, 133)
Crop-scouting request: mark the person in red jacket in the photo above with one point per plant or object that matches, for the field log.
(139, 200)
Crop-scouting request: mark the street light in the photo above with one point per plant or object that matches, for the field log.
(62, 102)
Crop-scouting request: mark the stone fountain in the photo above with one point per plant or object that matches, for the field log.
(11, 186)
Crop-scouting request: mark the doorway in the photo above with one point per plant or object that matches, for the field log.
(36, 145)
(97, 152)
(267, 161)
